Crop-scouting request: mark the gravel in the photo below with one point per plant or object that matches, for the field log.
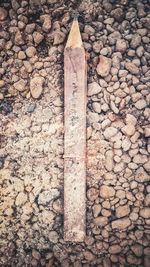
(116, 36)
(104, 65)
(36, 86)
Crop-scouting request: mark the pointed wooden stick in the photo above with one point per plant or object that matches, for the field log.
(75, 137)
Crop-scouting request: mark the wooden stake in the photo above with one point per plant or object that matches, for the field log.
(75, 136)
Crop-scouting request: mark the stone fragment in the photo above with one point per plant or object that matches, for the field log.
(104, 51)
(51, 1)
(147, 251)
(88, 256)
(120, 194)
(114, 249)
(104, 65)
(130, 66)
(145, 213)
(96, 210)
(46, 196)
(110, 132)
(101, 221)
(130, 119)
(89, 240)
(21, 199)
(126, 144)
(31, 107)
(97, 46)
(93, 117)
(137, 250)
(114, 108)
(147, 166)
(59, 37)
(139, 158)
(147, 132)
(36, 254)
(133, 216)
(128, 129)
(3, 13)
(140, 104)
(15, 4)
(1, 96)
(30, 28)
(107, 191)
(21, 55)
(36, 86)
(20, 85)
(141, 175)
(113, 37)
(140, 51)
(18, 40)
(53, 237)
(28, 66)
(31, 51)
(119, 167)
(2, 83)
(136, 41)
(121, 45)
(46, 20)
(133, 261)
(89, 30)
(47, 216)
(94, 89)
(146, 22)
(57, 206)
(122, 73)
(92, 194)
(146, 261)
(109, 162)
(122, 211)
(38, 37)
(121, 224)
(118, 14)
(97, 107)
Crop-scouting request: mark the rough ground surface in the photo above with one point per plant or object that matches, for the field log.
(116, 37)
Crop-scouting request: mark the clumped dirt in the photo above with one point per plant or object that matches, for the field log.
(116, 37)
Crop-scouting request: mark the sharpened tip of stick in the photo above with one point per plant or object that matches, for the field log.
(74, 39)
(76, 16)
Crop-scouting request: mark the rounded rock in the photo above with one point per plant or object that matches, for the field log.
(107, 192)
(38, 37)
(3, 13)
(121, 45)
(94, 89)
(104, 65)
(36, 86)
(92, 194)
(30, 51)
(110, 132)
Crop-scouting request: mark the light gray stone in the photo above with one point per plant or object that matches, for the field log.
(94, 89)
(140, 104)
(145, 213)
(122, 211)
(104, 65)
(48, 195)
(131, 67)
(36, 86)
(110, 132)
(121, 224)
(107, 192)
(141, 175)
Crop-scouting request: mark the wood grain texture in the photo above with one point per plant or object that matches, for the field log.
(75, 140)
